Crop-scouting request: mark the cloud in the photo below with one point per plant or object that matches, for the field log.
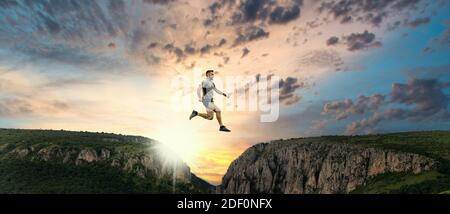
(250, 34)
(306, 122)
(206, 49)
(85, 26)
(417, 22)
(427, 50)
(430, 72)
(345, 108)
(112, 45)
(361, 41)
(117, 10)
(425, 94)
(178, 52)
(356, 41)
(402, 4)
(14, 107)
(375, 20)
(252, 12)
(52, 26)
(85, 17)
(162, 2)
(367, 125)
(368, 11)
(318, 125)
(208, 22)
(332, 40)
(226, 59)
(222, 42)
(284, 14)
(69, 32)
(76, 57)
(245, 51)
(189, 49)
(137, 38)
(64, 82)
(214, 7)
(152, 45)
(393, 26)
(288, 87)
(21, 98)
(21, 107)
(444, 38)
(447, 22)
(8, 3)
(422, 99)
(320, 58)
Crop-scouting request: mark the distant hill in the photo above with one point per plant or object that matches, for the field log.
(44, 161)
(409, 162)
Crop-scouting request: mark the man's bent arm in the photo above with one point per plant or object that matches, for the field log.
(199, 93)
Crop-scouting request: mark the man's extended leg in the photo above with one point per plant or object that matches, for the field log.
(219, 118)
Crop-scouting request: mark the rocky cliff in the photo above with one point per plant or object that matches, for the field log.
(46, 161)
(142, 164)
(301, 167)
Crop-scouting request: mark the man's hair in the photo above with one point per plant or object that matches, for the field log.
(209, 71)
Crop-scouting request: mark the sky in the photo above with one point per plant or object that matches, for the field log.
(346, 67)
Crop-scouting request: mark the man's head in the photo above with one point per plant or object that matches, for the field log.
(210, 74)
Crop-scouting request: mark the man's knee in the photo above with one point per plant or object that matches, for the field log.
(210, 116)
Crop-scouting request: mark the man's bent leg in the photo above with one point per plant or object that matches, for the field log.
(203, 115)
(209, 115)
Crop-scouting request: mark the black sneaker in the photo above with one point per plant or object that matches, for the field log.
(193, 114)
(224, 129)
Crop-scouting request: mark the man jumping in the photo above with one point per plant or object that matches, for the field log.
(205, 94)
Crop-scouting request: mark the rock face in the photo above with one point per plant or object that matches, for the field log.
(143, 164)
(297, 168)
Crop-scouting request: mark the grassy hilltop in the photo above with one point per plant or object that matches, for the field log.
(433, 144)
(45, 161)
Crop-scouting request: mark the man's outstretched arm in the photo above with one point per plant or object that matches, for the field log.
(218, 91)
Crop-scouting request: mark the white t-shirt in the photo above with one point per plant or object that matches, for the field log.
(206, 90)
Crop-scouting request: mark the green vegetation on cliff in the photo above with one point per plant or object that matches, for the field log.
(433, 144)
(45, 161)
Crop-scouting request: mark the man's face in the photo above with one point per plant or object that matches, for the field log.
(210, 75)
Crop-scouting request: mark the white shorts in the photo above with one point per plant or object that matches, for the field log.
(210, 106)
